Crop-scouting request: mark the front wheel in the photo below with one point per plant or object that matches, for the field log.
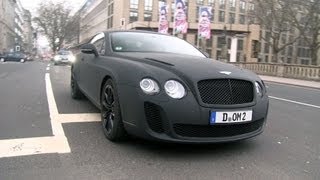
(112, 124)
(75, 90)
(2, 60)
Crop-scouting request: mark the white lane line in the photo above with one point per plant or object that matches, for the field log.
(48, 68)
(57, 129)
(73, 118)
(58, 143)
(295, 102)
(33, 146)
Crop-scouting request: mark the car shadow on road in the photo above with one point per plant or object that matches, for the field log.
(182, 150)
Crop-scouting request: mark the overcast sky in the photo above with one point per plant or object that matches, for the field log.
(33, 4)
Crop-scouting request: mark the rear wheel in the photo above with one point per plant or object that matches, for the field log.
(22, 60)
(75, 90)
(111, 120)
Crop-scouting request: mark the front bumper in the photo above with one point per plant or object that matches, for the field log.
(64, 61)
(162, 118)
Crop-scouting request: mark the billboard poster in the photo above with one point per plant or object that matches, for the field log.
(180, 17)
(163, 19)
(205, 15)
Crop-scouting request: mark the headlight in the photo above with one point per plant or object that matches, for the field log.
(72, 58)
(56, 58)
(259, 89)
(149, 86)
(174, 89)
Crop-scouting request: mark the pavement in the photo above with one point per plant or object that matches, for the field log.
(296, 82)
(44, 134)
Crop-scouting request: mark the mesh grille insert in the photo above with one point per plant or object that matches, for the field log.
(226, 91)
(153, 116)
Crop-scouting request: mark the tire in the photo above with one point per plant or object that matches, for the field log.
(75, 90)
(2, 60)
(111, 119)
(22, 60)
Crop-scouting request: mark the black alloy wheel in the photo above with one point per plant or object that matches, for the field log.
(75, 90)
(111, 114)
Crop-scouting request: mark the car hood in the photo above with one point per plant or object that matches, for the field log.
(191, 67)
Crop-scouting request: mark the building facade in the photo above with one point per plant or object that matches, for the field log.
(7, 32)
(18, 29)
(232, 22)
(28, 32)
(235, 31)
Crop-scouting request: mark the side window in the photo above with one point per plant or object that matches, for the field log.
(99, 42)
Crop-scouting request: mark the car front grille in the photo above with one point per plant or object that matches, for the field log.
(152, 113)
(207, 131)
(226, 91)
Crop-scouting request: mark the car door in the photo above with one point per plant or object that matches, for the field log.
(89, 67)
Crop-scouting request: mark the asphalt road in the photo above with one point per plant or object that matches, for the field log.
(288, 149)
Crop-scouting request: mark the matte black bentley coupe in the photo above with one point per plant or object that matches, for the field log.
(160, 87)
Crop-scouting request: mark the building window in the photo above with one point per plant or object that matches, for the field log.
(290, 51)
(147, 17)
(134, 4)
(148, 5)
(221, 16)
(266, 59)
(209, 43)
(211, 2)
(240, 44)
(251, 19)
(232, 18)
(133, 16)
(222, 4)
(266, 48)
(242, 6)
(110, 22)
(232, 5)
(251, 7)
(220, 42)
(242, 19)
(110, 9)
(305, 61)
(199, 2)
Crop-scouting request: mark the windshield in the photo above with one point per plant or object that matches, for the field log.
(147, 42)
(63, 53)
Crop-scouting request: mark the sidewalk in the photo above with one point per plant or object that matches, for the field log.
(295, 82)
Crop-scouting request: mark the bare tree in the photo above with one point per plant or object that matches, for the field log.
(56, 22)
(307, 21)
(275, 19)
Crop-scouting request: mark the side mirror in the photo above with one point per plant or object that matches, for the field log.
(89, 49)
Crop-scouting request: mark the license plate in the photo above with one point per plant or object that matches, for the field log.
(230, 117)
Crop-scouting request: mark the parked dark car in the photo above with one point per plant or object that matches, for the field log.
(160, 87)
(14, 56)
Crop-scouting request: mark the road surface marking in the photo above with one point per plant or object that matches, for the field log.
(72, 118)
(33, 146)
(57, 129)
(295, 102)
(58, 143)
